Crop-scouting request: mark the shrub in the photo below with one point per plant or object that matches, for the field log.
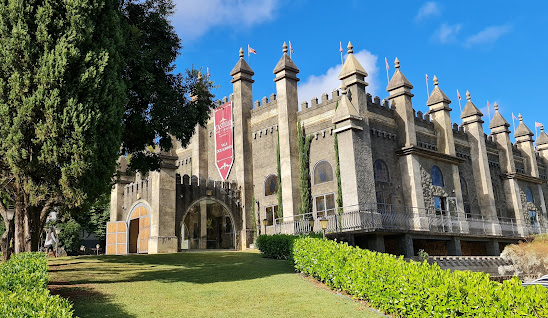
(415, 289)
(33, 303)
(529, 259)
(23, 289)
(276, 246)
(279, 246)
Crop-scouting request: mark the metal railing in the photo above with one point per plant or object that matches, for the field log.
(387, 217)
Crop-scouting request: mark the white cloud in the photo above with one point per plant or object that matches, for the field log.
(447, 33)
(488, 35)
(315, 86)
(429, 9)
(194, 18)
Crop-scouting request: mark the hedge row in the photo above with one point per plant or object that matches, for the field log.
(23, 289)
(279, 246)
(414, 289)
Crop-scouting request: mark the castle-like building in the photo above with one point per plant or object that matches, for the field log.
(386, 177)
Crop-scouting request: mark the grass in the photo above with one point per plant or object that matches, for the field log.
(205, 284)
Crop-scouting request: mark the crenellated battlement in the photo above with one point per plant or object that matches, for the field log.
(325, 100)
(137, 190)
(459, 132)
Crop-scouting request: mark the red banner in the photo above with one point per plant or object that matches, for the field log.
(224, 142)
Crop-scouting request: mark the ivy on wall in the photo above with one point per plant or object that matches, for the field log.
(338, 168)
(304, 175)
(280, 205)
(254, 217)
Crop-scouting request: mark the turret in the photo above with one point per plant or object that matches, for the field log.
(242, 169)
(473, 123)
(288, 102)
(353, 77)
(399, 89)
(440, 114)
(501, 135)
(524, 141)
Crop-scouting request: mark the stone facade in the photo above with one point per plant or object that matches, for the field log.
(408, 179)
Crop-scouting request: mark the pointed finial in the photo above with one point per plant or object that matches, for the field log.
(285, 47)
(350, 48)
(435, 80)
(397, 63)
(541, 128)
(241, 52)
(496, 106)
(468, 97)
(520, 118)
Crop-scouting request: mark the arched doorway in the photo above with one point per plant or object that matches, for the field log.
(207, 225)
(139, 229)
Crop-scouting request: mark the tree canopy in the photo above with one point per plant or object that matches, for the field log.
(82, 82)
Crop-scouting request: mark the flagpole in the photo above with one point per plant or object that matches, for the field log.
(290, 49)
(513, 122)
(460, 107)
(427, 90)
(489, 111)
(248, 54)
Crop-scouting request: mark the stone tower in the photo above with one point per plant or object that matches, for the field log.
(242, 170)
(288, 102)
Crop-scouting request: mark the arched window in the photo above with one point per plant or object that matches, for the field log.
(271, 185)
(323, 172)
(380, 171)
(529, 195)
(437, 177)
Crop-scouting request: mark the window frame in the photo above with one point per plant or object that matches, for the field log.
(325, 212)
(382, 162)
(314, 172)
(265, 184)
(440, 174)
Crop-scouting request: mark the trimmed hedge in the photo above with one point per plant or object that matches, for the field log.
(23, 289)
(278, 246)
(414, 289)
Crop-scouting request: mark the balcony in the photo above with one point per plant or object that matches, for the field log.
(387, 218)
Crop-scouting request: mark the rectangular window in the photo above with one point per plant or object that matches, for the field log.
(384, 202)
(533, 218)
(324, 205)
(271, 214)
(439, 205)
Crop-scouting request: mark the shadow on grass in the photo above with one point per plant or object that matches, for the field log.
(197, 268)
(87, 302)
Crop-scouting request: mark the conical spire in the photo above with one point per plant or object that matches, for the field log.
(398, 79)
(286, 63)
(437, 96)
(522, 129)
(242, 68)
(470, 109)
(345, 109)
(498, 120)
(351, 65)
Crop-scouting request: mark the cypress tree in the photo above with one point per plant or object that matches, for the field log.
(304, 173)
(279, 172)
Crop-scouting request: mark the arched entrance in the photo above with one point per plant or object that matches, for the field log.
(139, 229)
(207, 224)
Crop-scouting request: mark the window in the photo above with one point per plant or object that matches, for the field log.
(228, 225)
(271, 214)
(533, 218)
(324, 205)
(529, 195)
(380, 171)
(439, 205)
(323, 172)
(384, 202)
(271, 185)
(437, 177)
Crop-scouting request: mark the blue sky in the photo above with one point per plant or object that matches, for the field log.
(495, 49)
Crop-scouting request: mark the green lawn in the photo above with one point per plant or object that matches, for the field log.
(207, 284)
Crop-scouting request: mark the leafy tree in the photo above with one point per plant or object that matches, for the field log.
(78, 80)
(69, 236)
